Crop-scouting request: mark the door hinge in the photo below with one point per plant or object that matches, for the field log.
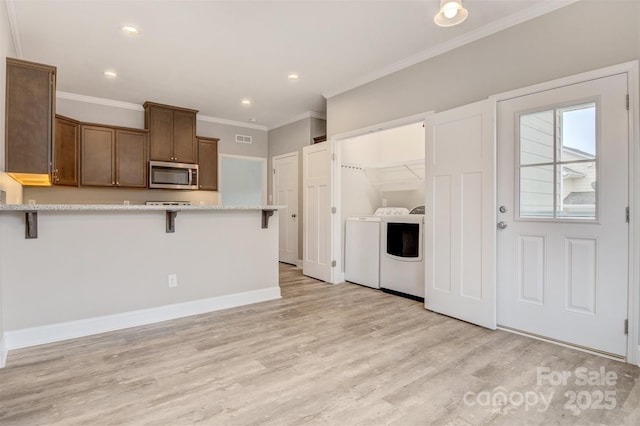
(334, 210)
(274, 171)
(333, 157)
(626, 326)
(627, 214)
(627, 102)
(333, 263)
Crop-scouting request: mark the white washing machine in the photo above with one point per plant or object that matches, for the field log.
(402, 255)
(362, 246)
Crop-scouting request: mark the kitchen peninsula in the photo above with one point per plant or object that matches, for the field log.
(74, 270)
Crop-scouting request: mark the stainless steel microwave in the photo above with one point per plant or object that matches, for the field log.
(163, 174)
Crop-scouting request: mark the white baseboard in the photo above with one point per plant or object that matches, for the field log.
(70, 330)
(3, 350)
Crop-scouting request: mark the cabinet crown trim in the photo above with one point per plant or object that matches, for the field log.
(154, 104)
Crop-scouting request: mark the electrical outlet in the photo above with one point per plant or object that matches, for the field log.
(173, 280)
(384, 202)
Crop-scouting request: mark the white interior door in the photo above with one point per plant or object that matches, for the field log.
(460, 213)
(563, 188)
(285, 191)
(316, 201)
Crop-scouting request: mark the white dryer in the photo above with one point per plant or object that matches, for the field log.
(402, 255)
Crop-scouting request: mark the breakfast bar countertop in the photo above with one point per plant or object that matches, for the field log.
(128, 207)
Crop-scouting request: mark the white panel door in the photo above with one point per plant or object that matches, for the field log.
(316, 201)
(285, 192)
(460, 226)
(563, 192)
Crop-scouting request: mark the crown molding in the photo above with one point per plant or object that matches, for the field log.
(13, 24)
(308, 114)
(475, 35)
(136, 107)
(231, 122)
(98, 101)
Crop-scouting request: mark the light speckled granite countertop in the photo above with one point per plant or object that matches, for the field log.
(123, 207)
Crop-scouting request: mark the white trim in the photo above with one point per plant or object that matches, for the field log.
(3, 351)
(399, 122)
(633, 344)
(224, 121)
(564, 345)
(86, 327)
(308, 114)
(13, 23)
(632, 71)
(98, 101)
(135, 107)
(482, 32)
(299, 264)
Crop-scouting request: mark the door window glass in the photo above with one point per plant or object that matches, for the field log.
(558, 163)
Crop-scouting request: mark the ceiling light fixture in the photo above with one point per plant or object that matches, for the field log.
(293, 77)
(130, 30)
(451, 13)
(246, 102)
(110, 74)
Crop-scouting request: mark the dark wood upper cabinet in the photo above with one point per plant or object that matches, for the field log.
(97, 162)
(131, 158)
(207, 164)
(113, 156)
(29, 116)
(65, 151)
(172, 133)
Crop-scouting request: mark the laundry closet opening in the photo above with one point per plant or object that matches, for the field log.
(381, 183)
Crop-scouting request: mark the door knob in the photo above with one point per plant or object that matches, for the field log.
(502, 209)
(293, 215)
(502, 225)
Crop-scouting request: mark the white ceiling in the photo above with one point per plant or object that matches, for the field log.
(209, 55)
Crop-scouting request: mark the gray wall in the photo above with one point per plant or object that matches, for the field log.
(116, 116)
(289, 138)
(6, 49)
(584, 36)
(581, 37)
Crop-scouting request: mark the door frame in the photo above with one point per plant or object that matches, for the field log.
(337, 237)
(631, 70)
(298, 209)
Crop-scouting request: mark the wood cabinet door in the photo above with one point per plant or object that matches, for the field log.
(30, 91)
(208, 164)
(131, 158)
(160, 125)
(65, 152)
(97, 159)
(184, 137)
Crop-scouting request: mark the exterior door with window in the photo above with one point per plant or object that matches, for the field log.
(562, 229)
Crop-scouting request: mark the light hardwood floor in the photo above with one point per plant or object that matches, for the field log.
(323, 355)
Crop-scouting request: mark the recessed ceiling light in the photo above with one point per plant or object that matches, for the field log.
(293, 77)
(246, 102)
(130, 30)
(110, 74)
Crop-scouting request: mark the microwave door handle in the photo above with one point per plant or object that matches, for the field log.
(190, 177)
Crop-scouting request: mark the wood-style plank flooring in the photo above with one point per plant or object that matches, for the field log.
(322, 355)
